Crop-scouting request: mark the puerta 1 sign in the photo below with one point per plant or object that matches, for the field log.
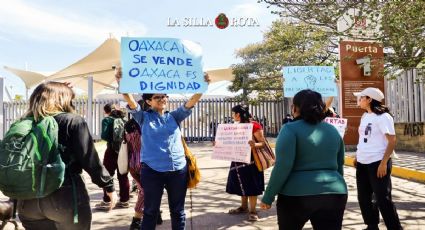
(161, 65)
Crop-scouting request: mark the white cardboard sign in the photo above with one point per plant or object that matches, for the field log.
(231, 142)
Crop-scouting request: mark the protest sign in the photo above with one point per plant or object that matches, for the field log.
(318, 78)
(231, 142)
(339, 123)
(161, 65)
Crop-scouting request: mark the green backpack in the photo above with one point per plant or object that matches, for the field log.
(30, 161)
(117, 133)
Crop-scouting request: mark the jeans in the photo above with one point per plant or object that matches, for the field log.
(56, 210)
(325, 211)
(153, 183)
(110, 162)
(368, 184)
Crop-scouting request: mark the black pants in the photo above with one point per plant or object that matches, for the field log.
(368, 184)
(56, 211)
(324, 211)
(153, 183)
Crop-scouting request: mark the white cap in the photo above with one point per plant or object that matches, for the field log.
(371, 92)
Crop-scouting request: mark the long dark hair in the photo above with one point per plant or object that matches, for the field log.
(311, 106)
(108, 108)
(378, 108)
(117, 113)
(131, 125)
(147, 96)
(243, 111)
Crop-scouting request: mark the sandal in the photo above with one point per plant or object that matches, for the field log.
(238, 210)
(253, 216)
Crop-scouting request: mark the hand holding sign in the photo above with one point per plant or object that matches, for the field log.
(118, 74)
(195, 98)
(251, 143)
(207, 78)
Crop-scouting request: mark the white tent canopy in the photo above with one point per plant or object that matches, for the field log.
(29, 78)
(98, 65)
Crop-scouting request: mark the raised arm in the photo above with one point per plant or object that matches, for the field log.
(328, 102)
(128, 97)
(195, 98)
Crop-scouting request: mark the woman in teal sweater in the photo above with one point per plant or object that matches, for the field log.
(308, 175)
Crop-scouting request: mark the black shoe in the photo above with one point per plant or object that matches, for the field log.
(136, 224)
(159, 219)
(371, 228)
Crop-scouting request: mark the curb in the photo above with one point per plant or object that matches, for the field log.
(405, 173)
(397, 171)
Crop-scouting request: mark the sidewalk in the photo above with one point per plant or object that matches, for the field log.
(407, 165)
(210, 203)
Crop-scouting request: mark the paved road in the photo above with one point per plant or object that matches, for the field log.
(210, 203)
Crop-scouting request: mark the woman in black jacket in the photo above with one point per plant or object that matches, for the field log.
(57, 210)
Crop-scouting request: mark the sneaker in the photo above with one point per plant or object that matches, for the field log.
(136, 224)
(121, 204)
(103, 205)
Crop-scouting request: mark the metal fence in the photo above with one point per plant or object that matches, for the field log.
(200, 126)
(406, 96)
(208, 113)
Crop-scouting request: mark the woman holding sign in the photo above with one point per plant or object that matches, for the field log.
(244, 179)
(308, 174)
(163, 159)
(373, 160)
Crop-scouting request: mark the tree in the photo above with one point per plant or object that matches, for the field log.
(401, 24)
(284, 44)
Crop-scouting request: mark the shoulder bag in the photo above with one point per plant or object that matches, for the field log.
(264, 156)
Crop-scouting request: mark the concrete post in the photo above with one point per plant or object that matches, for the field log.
(1, 108)
(90, 103)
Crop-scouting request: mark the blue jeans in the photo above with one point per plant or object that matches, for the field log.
(153, 184)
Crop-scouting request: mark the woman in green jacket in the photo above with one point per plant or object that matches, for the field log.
(308, 175)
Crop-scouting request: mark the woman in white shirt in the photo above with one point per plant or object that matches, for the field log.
(373, 160)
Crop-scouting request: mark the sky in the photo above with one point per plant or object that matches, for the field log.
(46, 36)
